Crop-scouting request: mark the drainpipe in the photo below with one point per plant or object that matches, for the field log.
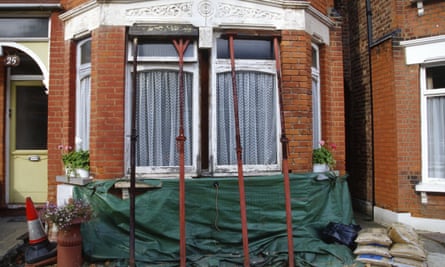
(370, 41)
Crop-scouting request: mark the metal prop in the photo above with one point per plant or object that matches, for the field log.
(133, 153)
(181, 46)
(239, 157)
(285, 167)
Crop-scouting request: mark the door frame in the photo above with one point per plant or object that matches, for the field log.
(7, 156)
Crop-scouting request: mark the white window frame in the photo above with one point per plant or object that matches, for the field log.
(425, 52)
(83, 71)
(316, 100)
(430, 184)
(223, 65)
(171, 63)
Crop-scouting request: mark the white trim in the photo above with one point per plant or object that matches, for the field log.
(428, 184)
(387, 217)
(207, 14)
(431, 187)
(34, 56)
(424, 50)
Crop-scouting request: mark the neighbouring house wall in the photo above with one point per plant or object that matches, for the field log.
(358, 101)
(393, 105)
(385, 130)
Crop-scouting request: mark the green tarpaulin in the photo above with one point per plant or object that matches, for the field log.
(213, 226)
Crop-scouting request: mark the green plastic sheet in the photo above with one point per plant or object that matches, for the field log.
(213, 225)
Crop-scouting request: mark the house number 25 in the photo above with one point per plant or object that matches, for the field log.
(12, 60)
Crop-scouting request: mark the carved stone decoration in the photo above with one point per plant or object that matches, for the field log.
(205, 37)
(206, 8)
(231, 11)
(172, 10)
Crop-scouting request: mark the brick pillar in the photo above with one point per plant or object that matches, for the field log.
(107, 102)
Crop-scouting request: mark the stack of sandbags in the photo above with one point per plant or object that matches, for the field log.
(373, 247)
(406, 249)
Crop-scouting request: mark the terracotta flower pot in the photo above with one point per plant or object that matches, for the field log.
(69, 246)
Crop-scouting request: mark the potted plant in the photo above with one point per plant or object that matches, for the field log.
(77, 163)
(322, 158)
(67, 220)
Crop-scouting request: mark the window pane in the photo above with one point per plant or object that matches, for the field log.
(257, 118)
(85, 52)
(164, 49)
(436, 136)
(32, 113)
(83, 114)
(435, 77)
(246, 49)
(314, 58)
(158, 118)
(23, 27)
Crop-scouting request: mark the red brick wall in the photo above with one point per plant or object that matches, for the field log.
(60, 101)
(296, 54)
(358, 101)
(69, 4)
(385, 130)
(396, 103)
(322, 5)
(332, 95)
(107, 102)
(296, 59)
(429, 24)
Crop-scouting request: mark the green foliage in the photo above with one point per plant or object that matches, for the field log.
(322, 155)
(79, 159)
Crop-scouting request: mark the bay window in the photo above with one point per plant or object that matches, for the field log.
(210, 147)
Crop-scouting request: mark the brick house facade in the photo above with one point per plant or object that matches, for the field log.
(308, 36)
(391, 172)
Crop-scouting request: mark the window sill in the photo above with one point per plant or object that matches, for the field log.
(431, 187)
(423, 188)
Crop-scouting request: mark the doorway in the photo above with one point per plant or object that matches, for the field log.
(28, 154)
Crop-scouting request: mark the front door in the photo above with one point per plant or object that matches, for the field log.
(28, 142)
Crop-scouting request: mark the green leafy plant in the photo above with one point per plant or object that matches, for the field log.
(76, 211)
(323, 155)
(75, 159)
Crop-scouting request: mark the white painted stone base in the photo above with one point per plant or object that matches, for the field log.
(387, 217)
(64, 193)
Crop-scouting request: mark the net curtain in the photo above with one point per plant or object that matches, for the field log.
(257, 118)
(157, 118)
(436, 133)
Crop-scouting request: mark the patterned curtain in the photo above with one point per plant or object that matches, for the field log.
(157, 118)
(258, 120)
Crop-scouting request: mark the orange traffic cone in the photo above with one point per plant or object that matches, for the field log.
(39, 248)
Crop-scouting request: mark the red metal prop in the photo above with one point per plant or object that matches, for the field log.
(239, 157)
(181, 46)
(285, 170)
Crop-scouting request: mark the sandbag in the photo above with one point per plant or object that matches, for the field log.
(375, 260)
(373, 250)
(373, 236)
(411, 251)
(401, 233)
(404, 262)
